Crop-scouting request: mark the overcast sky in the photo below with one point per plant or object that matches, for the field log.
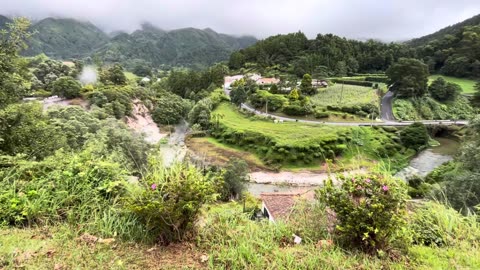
(381, 19)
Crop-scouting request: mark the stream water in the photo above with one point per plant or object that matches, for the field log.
(431, 158)
(422, 164)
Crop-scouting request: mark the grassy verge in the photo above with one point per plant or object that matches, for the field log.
(61, 248)
(233, 241)
(467, 85)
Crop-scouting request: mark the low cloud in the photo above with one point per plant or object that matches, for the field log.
(387, 20)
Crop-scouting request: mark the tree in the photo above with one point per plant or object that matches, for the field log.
(67, 87)
(306, 87)
(169, 109)
(443, 91)
(409, 76)
(234, 179)
(294, 95)
(415, 136)
(237, 60)
(13, 68)
(238, 95)
(113, 75)
(24, 129)
(274, 89)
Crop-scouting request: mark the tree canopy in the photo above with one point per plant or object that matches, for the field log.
(409, 77)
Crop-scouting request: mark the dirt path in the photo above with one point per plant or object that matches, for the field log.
(305, 178)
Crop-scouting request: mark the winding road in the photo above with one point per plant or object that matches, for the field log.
(386, 112)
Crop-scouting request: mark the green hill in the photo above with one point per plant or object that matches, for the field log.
(452, 51)
(449, 30)
(190, 47)
(65, 38)
(182, 47)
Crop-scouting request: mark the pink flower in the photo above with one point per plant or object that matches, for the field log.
(368, 180)
(385, 188)
(154, 186)
(353, 179)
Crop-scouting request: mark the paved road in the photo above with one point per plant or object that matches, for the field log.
(386, 107)
(383, 123)
(386, 114)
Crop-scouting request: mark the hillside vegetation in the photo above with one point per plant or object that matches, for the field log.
(64, 39)
(293, 143)
(182, 47)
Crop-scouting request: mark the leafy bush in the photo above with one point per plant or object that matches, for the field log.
(321, 114)
(82, 188)
(67, 87)
(116, 100)
(169, 109)
(415, 136)
(370, 209)
(297, 108)
(169, 199)
(438, 225)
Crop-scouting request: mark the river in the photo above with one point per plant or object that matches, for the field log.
(431, 158)
(422, 164)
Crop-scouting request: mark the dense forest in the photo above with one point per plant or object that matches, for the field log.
(451, 51)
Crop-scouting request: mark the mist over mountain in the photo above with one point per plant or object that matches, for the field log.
(65, 38)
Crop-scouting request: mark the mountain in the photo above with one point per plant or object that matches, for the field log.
(65, 38)
(454, 50)
(182, 47)
(3, 21)
(449, 30)
(189, 47)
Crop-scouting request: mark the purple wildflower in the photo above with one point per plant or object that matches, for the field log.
(368, 180)
(154, 186)
(385, 188)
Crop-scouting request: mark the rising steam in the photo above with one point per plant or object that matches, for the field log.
(88, 75)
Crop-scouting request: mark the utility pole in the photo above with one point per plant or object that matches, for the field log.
(341, 92)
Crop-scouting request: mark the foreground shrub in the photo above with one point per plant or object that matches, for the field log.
(438, 225)
(82, 190)
(168, 200)
(370, 210)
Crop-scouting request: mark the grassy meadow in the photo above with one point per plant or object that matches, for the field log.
(467, 85)
(345, 95)
(288, 133)
(303, 146)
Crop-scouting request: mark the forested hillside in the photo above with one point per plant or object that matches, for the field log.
(65, 39)
(454, 50)
(182, 47)
(326, 54)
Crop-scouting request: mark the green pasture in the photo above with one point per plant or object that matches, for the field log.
(345, 95)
